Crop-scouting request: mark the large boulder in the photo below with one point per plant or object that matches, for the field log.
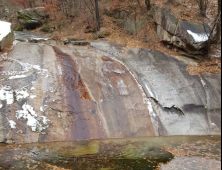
(191, 37)
(32, 18)
(125, 18)
(6, 34)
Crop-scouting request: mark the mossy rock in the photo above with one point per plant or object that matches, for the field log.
(32, 18)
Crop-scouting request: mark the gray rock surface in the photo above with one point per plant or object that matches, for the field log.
(184, 104)
(190, 37)
(30, 37)
(64, 93)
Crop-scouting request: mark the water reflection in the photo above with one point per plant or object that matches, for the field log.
(189, 153)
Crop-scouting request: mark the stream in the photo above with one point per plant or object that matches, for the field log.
(159, 153)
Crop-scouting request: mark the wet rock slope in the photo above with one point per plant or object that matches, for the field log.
(63, 93)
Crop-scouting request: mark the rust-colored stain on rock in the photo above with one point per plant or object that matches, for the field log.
(78, 100)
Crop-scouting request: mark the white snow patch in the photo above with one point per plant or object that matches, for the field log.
(17, 77)
(1, 105)
(198, 38)
(32, 88)
(6, 93)
(37, 124)
(40, 39)
(9, 95)
(33, 96)
(45, 120)
(12, 124)
(41, 109)
(21, 94)
(5, 29)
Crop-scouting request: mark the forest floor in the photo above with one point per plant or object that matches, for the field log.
(147, 37)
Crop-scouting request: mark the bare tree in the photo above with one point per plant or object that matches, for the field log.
(97, 15)
(218, 29)
(203, 4)
(148, 4)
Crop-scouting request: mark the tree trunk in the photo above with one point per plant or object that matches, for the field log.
(97, 15)
(218, 35)
(148, 4)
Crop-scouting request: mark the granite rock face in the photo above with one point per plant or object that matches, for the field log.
(190, 37)
(65, 93)
(183, 104)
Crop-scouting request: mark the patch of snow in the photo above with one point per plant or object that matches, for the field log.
(32, 88)
(40, 39)
(41, 109)
(9, 95)
(21, 94)
(12, 124)
(33, 96)
(1, 105)
(17, 77)
(5, 29)
(6, 93)
(37, 124)
(45, 120)
(198, 38)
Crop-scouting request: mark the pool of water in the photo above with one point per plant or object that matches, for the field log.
(159, 153)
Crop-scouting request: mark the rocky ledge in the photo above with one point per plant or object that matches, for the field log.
(63, 93)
